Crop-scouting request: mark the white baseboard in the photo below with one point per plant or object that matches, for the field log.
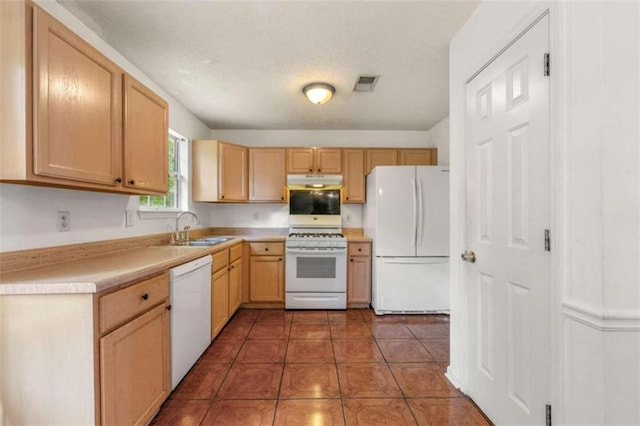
(455, 381)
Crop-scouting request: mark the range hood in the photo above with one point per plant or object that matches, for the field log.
(314, 181)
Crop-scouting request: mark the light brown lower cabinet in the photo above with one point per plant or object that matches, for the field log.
(235, 286)
(266, 283)
(226, 287)
(359, 275)
(134, 369)
(219, 301)
(266, 272)
(135, 356)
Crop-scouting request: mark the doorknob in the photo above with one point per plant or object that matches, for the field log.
(468, 256)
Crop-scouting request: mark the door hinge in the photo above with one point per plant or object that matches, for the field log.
(547, 240)
(547, 410)
(547, 70)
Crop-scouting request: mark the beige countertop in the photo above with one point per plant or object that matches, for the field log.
(101, 273)
(106, 272)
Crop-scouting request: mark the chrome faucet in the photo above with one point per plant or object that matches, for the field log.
(184, 234)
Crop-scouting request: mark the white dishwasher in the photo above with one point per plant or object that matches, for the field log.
(190, 298)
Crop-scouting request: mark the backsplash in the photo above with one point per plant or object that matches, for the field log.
(270, 215)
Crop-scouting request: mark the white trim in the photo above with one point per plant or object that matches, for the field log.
(507, 46)
(600, 319)
(158, 214)
(453, 379)
(558, 200)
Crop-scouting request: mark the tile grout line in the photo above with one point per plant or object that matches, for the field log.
(284, 363)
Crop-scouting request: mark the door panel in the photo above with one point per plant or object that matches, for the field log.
(354, 177)
(77, 107)
(233, 184)
(267, 176)
(381, 157)
(433, 215)
(507, 214)
(396, 216)
(146, 136)
(411, 284)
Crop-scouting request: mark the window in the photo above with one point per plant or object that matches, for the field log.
(171, 201)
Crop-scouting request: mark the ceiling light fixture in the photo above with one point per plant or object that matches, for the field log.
(319, 93)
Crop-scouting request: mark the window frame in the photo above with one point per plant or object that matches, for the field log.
(179, 178)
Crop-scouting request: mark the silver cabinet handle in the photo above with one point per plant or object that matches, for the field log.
(468, 256)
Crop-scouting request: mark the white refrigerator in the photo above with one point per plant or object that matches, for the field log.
(407, 216)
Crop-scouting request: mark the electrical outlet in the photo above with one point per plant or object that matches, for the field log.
(128, 217)
(347, 217)
(64, 221)
(256, 216)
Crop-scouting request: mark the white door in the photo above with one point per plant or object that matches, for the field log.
(396, 218)
(433, 211)
(507, 151)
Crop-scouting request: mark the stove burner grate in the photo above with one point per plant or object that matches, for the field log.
(315, 235)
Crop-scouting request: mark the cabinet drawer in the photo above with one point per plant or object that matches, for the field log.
(235, 252)
(117, 308)
(266, 249)
(220, 260)
(359, 249)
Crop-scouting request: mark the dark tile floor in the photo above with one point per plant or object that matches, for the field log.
(276, 367)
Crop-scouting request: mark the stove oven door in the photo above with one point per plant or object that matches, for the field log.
(316, 270)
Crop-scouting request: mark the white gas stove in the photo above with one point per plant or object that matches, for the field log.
(316, 269)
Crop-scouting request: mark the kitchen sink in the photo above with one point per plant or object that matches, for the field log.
(203, 242)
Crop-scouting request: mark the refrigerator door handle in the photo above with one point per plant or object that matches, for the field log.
(414, 231)
(420, 221)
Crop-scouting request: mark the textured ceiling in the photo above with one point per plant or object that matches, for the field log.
(242, 64)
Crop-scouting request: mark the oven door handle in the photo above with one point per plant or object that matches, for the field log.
(316, 252)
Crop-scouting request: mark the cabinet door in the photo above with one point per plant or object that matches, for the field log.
(219, 301)
(354, 177)
(417, 157)
(232, 179)
(146, 138)
(267, 174)
(134, 369)
(235, 286)
(77, 107)
(359, 279)
(328, 160)
(300, 160)
(266, 279)
(381, 157)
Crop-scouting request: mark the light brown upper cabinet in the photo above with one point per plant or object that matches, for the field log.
(220, 171)
(401, 157)
(354, 179)
(328, 160)
(381, 157)
(77, 110)
(267, 174)
(418, 157)
(299, 160)
(146, 121)
(314, 160)
(64, 112)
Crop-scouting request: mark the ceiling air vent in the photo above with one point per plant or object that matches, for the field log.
(365, 83)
